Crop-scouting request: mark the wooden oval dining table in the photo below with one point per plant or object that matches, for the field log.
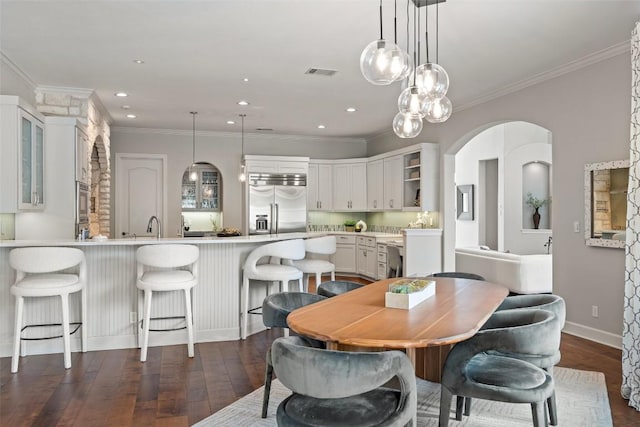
(359, 321)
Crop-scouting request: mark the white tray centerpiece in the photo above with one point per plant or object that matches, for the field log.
(407, 293)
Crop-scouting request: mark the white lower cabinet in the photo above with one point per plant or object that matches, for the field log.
(367, 256)
(345, 257)
(382, 261)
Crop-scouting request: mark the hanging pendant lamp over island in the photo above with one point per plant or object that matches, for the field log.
(242, 177)
(383, 63)
(193, 172)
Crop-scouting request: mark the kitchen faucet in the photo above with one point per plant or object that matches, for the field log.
(150, 224)
(548, 245)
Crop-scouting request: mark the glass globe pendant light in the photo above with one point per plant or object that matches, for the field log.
(438, 110)
(407, 125)
(193, 173)
(412, 100)
(433, 80)
(381, 60)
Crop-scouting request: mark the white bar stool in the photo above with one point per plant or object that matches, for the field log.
(179, 264)
(309, 265)
(38, 274)
(286, 249)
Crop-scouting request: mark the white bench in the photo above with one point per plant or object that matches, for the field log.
(522, 274)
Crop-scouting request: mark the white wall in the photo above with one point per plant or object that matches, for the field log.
(223, 150)
(589, 123)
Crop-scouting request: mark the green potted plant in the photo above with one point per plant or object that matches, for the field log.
(350, 224)
(536, 204)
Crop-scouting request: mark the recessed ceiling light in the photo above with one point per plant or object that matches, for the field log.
(231, 122)
(126, 107)
(245, 79)
(351, 110)
(321, 126)
(243, 103)
(121, 94)
(131, 116)
(138, 61)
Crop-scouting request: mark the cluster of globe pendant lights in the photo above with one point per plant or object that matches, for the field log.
(383, 62)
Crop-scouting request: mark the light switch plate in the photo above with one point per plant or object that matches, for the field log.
(576, 226)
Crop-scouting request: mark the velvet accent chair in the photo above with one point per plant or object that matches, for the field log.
(337, 287)
(325, 245)
(342, 387)
(479, 367)
(275, 310)
(458, 275)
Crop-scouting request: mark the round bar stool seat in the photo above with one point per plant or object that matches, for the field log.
(271, 272)
(322, 246)
(38, 275)
(180, 264)
(337, 287)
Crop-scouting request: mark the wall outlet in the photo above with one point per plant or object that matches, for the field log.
(594, 311)
(576, 226)
(133, 317)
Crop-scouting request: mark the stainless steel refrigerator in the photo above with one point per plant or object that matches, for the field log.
(277, 203)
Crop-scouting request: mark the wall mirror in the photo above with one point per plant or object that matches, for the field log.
(605, 208)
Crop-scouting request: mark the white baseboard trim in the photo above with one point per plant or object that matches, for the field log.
(592, 334)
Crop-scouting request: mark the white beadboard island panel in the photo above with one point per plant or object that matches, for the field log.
(112, 295)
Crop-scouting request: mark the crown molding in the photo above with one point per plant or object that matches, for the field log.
(9, 63)
(75, 91)
(100, 107)
(593, 58)
(261, 136)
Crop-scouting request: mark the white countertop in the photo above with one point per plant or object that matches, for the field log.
(189, 240)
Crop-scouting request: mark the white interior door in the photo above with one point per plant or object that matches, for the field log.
(140, 192)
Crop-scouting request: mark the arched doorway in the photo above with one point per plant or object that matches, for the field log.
(491, 159)
(99, 215)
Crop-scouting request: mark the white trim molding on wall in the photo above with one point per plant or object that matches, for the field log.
(597, 335)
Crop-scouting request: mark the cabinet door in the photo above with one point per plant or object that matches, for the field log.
(31, 163)
(345, 258)
(325, 187)
(371, 269)
(313, 203)
(358, 187)
(393, 180)
(362, 260)
(342, 187)
(375, 185)
(82, 157)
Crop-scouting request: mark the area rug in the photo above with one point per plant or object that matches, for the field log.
(581, 397)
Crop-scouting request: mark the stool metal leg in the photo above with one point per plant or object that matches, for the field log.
(146, 320)
(333, 276)
(189, 320)
(16, 334)
(245, 307)
(318, 281)
(83, 297)
(64, 299)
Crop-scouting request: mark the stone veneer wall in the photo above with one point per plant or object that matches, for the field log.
(86, 106)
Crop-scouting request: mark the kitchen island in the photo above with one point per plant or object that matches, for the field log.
(113, 297)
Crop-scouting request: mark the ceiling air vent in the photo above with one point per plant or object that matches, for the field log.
(320, 72)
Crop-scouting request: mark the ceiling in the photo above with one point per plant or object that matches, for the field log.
(196, 54)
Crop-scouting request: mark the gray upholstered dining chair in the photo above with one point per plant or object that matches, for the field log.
(479, 367)
(275, 310)
(337, 287)
(458, 275)
(342, 387)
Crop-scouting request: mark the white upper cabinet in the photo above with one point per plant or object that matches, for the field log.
(21, 156)
(421, 179)
(82, 157)
(393, 183)
(276, 164)
(320, 187)
(375, 185)
(350, 186)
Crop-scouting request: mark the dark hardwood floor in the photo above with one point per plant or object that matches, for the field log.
(113, 388)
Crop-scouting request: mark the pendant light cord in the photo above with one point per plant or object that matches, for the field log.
(242, 116)
(437, 33)
(380, 19)
(426, 29)
(395, 21)
(193, 159)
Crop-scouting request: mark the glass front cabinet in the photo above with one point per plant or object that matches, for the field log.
(203, 193)
(31, 166)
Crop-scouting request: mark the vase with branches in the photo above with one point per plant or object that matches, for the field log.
(536, 204)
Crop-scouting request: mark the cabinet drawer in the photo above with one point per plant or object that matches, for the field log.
(382, 270)
(367, 241)
(346, 239)
(382, 254)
